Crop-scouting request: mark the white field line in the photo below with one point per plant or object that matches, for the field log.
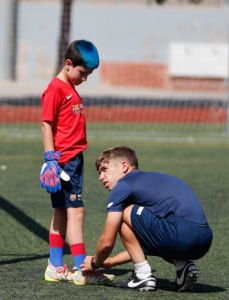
(122, 138)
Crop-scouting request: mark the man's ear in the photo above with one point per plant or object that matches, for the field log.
(125, 167)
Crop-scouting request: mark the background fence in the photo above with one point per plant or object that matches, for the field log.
(163, 71)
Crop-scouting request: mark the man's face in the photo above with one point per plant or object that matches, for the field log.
(110, 173)
(78, 74)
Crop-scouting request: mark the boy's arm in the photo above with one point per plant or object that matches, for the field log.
(46, 129)
(51, 172)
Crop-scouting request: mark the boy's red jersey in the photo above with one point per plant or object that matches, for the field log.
(63, 106)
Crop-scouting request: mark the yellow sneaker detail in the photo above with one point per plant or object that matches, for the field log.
(56, 274)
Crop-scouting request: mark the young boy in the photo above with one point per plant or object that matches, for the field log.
(64, 139)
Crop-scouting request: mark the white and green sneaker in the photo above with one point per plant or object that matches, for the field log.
(91, 277)
(56, 274)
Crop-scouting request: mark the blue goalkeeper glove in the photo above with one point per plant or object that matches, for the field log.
(51, 172)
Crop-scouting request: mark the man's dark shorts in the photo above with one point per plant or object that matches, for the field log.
(71, 193)
(171, 237)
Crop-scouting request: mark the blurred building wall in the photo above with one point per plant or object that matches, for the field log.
(132, 40)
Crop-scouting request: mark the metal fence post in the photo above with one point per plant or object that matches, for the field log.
(11, 44)
(227, 114)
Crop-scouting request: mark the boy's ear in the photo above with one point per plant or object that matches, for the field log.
(68, 63)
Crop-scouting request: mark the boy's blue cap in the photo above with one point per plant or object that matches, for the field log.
(89, 54)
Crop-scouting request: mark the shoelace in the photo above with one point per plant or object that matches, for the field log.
(63, 269)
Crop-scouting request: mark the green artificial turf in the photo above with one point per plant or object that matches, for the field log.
(25, 215)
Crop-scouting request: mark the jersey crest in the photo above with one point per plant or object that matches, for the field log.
(75, 109)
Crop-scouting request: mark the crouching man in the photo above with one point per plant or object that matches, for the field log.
(156, 215)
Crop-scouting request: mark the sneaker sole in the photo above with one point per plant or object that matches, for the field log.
(190, 279)
(93, 283)
(49, 279)
(145, 289)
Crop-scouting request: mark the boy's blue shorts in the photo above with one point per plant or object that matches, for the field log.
(170, 237)
(71, 193)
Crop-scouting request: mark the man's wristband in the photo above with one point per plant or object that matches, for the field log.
(93, 263)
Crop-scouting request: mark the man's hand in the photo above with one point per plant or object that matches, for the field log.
(86, 266)
(51, 172)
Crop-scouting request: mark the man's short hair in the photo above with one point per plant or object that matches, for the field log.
(83, 53)
(115, 153)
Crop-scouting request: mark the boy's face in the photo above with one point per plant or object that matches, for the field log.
(78, 74)
(110, 172)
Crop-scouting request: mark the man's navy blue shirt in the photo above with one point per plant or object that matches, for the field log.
(162, 194)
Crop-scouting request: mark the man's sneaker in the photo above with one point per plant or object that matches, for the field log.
(91, 277)
(186, 278)
(135, 283)
(55, 274)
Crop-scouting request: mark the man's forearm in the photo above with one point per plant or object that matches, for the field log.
(119, 259)
(102, 252)
(107, 240)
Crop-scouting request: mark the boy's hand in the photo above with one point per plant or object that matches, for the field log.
(51, 172)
